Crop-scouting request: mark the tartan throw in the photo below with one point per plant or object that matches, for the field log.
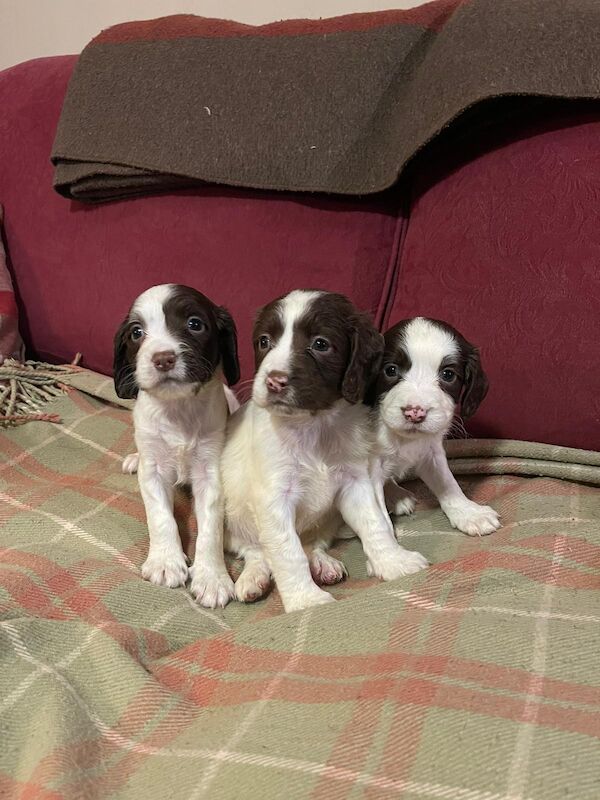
(336, 105)
(477, 679)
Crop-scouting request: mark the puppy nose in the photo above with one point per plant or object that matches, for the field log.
(276, 381)
(164, 361)
(414, 413)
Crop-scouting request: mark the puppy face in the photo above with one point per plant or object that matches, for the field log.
(171, 342)
(312, 348)
(428, 370)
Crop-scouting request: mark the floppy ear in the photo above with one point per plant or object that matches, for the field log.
(366, 352)
(228, 345)
(475, 385)
(123, 370)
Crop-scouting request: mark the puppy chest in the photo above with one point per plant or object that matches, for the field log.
(317, 489)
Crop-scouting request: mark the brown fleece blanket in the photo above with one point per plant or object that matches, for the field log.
(337, 105)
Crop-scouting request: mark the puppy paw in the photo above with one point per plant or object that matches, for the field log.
(403, 562)
(325, 569)
(253, 583)
(210, 588)
(405, 505)
(167, 568)
(130, 464)
(473, 519)
(306, 599)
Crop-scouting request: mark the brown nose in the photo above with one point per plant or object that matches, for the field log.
(164, 361)
(276, 381)
(414, 413)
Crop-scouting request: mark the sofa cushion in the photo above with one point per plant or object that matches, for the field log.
(79, 267)
(504, 243)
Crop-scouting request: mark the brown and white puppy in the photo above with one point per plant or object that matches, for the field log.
(428, 371)
(171, 353)
(297, 454)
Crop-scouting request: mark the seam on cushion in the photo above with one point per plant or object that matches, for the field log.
(390, 285)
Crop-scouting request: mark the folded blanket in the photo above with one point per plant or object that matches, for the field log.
(338, 105)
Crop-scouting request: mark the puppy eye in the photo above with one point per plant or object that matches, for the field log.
(195, 324)
(320, 344)
(264, 342)
(137, 332)
(448, 375)
(391, 370)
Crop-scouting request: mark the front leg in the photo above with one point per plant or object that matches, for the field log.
(287, 559)
(211, 584)
(398, 500)
(166, 563)
(464, 514)
(362, 506)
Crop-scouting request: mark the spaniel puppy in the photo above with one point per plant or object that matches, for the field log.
(171, 353)
(428, 370)
(297, 454)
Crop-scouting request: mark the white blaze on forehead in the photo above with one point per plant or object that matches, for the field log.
(291, 308)
(428, 344)
(148, 308)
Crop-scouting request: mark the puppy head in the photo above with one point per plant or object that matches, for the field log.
(311, 349)
(171, 342)
(428, 371)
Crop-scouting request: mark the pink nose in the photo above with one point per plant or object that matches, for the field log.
(164, 361)
(276, 381)
(414, 413)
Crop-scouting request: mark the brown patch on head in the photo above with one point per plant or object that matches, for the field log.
(471, 384)
(467, 383)
(335, 351)
(268, 328)
(125, 351)
(206, 331)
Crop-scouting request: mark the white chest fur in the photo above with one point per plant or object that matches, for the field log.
(179, 434)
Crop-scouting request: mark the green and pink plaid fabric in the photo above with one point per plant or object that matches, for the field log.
(478, 679)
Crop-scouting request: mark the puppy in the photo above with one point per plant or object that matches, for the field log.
(171, 353)
(297, 454)
(428, 370)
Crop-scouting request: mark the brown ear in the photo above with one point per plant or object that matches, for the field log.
(228, 345)
(366, 352)
(123, 370)
(475, 385)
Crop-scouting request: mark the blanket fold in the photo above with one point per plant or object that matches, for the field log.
(339, 105)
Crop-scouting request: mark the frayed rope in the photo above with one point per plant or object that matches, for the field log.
(25, 388)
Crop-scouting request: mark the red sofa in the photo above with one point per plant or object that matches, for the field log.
(499, 234)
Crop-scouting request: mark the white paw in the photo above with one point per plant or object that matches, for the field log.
(405, 505)
(325, 569)
(403, 562)
(210, 588)
(306, 599)
(253, 583)
(130, 464)
(166, 568)
(473, 519)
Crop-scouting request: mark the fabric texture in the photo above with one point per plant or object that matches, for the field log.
(338, 105)
(78, 269)
(502, 242)
(11, 344)
(496, 231)
(476, 679)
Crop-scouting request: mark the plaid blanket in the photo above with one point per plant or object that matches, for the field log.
(477, 679)
(334, 105)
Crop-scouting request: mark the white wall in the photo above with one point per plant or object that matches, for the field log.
(32, 28)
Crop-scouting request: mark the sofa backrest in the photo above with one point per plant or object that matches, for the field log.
(502, 240)
(78, 267)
